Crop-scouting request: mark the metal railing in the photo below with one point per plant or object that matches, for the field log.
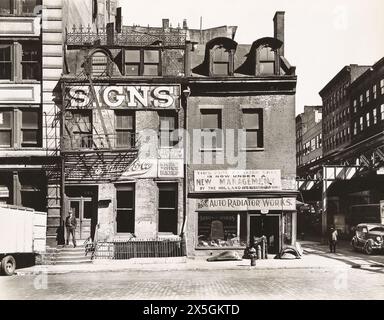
(140, 248)
(130, 36)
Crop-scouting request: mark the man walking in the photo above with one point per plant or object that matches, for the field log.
(71, 224)
(333, 240)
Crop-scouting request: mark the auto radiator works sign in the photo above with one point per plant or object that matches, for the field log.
(132, 96)
(245, 204)
(236, 180)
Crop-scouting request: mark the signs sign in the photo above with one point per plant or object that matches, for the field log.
(245, 204)
(133, 96)
(236, 180)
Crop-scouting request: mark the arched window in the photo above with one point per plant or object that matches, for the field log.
(99, 64)
(220, 61)
(266, 60)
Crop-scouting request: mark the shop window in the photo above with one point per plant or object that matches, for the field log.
(125, 209)
(30, 128)
(211, 134)
(5, 61)
(168, 208)
(6, 125)
(125, 129)
(81, 129)
(168, 124)
(267, 61)
(222, 230)
(220, 61)
(253, 125)
(142, 62)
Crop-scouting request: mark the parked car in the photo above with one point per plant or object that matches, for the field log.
(369, 237)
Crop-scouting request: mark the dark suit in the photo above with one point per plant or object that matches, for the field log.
(71, 224)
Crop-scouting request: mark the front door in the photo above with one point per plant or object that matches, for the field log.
(82, 208)
(266, 225)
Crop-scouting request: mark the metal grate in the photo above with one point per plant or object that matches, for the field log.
(140, 248)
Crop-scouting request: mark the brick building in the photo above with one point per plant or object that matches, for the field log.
(246, 189)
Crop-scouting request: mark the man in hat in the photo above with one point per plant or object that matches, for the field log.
(71, 224)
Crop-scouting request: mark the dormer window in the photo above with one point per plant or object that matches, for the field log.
(267, 61)
(221, 59)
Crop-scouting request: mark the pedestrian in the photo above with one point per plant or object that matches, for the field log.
(71, 224)
(333, 240)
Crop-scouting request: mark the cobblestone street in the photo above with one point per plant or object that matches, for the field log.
(335, 283)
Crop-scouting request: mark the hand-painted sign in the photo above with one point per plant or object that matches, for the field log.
(245, 204)
(236, 180)
(133, 96)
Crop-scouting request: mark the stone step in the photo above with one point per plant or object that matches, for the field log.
(71, 253)
(73, 262)
(75, 259)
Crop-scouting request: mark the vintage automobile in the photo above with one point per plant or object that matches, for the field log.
(369, 237)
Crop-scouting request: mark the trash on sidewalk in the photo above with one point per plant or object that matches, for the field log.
(225, 256)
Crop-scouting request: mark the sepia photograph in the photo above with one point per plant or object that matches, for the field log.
(192, 155)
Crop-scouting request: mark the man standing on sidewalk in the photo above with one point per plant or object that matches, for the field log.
(332, 240)
(71, 224)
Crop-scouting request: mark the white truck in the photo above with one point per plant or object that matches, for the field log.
(22, 232)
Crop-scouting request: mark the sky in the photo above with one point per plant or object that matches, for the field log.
(321, 37)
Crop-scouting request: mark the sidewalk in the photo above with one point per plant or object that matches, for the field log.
(311, 259)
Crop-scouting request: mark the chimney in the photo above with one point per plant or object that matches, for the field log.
(165, 23)
(278, 28)
(185, 26)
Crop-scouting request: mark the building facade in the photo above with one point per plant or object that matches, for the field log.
(241, 186)
(308, 136)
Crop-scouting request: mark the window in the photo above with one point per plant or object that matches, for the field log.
(168, 123)
(20, 128)
(30, 61)
(222, 230)
(253, 125)
(374, 92)
(5, 61)
(142, 62)
(82, 129)
(6, 125)
(361, 100)
(28, 58)
(320, 140)
(168, 208)
(382, 111)
(211, 128)
(361, 124)
(124, 126)
(382, 86)
(125, 209)
(368, 119)
(374, 116)
(267, 61)
(367, 95)
(30, 128)
(99, 64)
(220, 61)
(19, 7)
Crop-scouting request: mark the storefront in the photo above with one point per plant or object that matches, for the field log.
(123, 171)
(232, 207)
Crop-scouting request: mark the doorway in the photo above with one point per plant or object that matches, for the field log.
(266, 225)
(83, 209)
